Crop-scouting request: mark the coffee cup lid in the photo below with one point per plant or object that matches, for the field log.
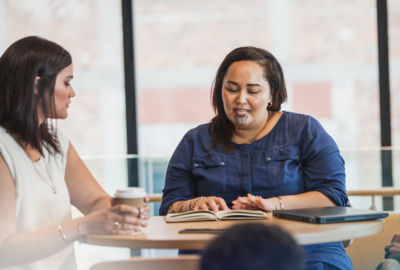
(130, 192)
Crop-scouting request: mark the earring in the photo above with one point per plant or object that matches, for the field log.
(269, 104)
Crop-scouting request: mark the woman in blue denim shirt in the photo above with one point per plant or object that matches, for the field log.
(253, 156)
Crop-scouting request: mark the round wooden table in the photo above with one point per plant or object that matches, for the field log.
(161, 235)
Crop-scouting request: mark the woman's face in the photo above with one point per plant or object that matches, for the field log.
(245, 94)
(63, 92)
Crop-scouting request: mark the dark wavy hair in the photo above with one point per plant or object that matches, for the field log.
(221, 127)
(253, 246)
(20, 64)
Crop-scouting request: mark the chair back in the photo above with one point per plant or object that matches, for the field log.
(184, 262)
(368, 252)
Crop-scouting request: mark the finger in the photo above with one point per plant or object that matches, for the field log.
(124, 208)
(145, 209)
(145, 216)
(251, 197)
(131, 227)
(131, 220)
(238, 199)
(221, 203)
(243, 200)
(396, 238)
(387, 247)
(146, 199)
(239, 206)
(112, 201)
(127, 227)
(204, 207)
(211, 203)
(260, 200)
(126, 232)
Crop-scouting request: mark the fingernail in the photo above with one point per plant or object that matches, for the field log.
(144, 223)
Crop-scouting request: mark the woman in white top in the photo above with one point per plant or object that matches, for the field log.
(41, 174)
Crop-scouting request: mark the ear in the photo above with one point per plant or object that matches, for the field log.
(37, 79)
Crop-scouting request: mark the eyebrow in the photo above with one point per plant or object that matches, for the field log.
(250, 84)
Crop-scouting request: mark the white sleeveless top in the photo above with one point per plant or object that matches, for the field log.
(37, 207)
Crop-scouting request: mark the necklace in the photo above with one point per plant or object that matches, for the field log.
(52, 186)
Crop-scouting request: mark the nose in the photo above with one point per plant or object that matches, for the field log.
(242, 97)
(72, 92)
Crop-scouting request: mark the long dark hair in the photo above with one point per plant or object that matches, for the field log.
(221, 127)
(20, 64)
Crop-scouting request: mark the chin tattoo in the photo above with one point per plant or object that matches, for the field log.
(241, 120)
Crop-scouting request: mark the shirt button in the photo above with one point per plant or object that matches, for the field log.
(222, 163)
(297, 156)
(269, 158)
(196, 165)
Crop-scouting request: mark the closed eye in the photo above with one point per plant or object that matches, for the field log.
(231, 90)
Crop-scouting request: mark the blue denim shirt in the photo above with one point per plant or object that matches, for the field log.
(296, 156)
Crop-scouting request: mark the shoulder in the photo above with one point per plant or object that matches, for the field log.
(5, 138)
(304, 129)
(7, 149)
(3, 133)
(296, 118)
(202, 131)
(300, 121)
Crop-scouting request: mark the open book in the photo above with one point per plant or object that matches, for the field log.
(202, 215)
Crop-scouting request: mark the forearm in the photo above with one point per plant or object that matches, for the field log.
(36, 245)
(101, 203)
(304, 200)
(179, 207)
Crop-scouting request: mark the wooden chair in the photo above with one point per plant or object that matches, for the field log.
(368, 252)
(184, 262)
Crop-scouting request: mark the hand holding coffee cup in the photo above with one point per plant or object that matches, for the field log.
(132, 196)
(124, 217)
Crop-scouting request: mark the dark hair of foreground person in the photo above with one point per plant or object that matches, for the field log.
(253, 246)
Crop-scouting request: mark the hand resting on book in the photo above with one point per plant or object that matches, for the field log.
(211, 203)
(252, 202)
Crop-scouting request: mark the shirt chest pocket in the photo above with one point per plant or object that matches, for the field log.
(210, 174)
(280, 167)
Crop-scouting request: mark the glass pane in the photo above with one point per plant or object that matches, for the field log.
(328, 50)
(394, 67)
(92, 32)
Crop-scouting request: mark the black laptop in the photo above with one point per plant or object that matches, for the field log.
(324, 215)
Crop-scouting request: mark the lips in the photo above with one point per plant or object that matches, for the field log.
(241, 111)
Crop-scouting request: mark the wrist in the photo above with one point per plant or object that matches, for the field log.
(194, 201)
(84, 226)
(280, 205)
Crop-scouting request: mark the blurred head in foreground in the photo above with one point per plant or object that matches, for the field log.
(253, 246)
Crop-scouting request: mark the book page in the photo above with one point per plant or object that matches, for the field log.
(191, 216)
(240, 213)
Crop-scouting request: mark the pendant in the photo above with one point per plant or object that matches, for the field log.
(54, 190)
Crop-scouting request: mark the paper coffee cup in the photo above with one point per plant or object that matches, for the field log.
(132, 196)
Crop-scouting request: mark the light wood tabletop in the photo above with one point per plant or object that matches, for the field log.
(161, 235)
